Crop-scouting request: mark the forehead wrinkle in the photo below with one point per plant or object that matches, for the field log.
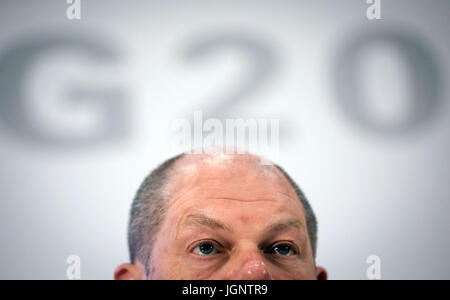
(242, 200)
(289, 195)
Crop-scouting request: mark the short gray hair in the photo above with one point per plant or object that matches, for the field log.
(149, 208)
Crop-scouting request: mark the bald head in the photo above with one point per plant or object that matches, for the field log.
(219, 172)
(228, 191)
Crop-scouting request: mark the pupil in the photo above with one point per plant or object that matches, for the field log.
(206, 248)
(283, 249)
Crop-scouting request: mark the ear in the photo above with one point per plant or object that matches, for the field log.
(322, 274)
(128, 272)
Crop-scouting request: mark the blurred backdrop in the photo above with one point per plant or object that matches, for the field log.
(86, 108)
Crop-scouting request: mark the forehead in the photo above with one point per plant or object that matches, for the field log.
(231, 184)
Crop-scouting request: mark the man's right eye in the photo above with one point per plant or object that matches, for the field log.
(206, 249)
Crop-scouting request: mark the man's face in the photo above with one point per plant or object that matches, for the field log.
(232, 219)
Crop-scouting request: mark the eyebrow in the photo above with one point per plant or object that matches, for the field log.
(285, 225)
(202, 220)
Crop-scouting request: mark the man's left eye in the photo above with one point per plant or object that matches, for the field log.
(205, 249)
(283, 250)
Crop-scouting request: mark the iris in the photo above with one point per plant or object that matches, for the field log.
(284, 250)
(206, 249)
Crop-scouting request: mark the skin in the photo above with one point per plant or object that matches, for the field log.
(242, 210)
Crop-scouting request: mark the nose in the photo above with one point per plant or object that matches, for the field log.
(249, 266)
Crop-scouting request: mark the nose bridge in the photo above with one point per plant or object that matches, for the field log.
(249, 265)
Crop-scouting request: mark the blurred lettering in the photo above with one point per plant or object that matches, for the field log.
(261, 65)
(423, 80)
(62, 113)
